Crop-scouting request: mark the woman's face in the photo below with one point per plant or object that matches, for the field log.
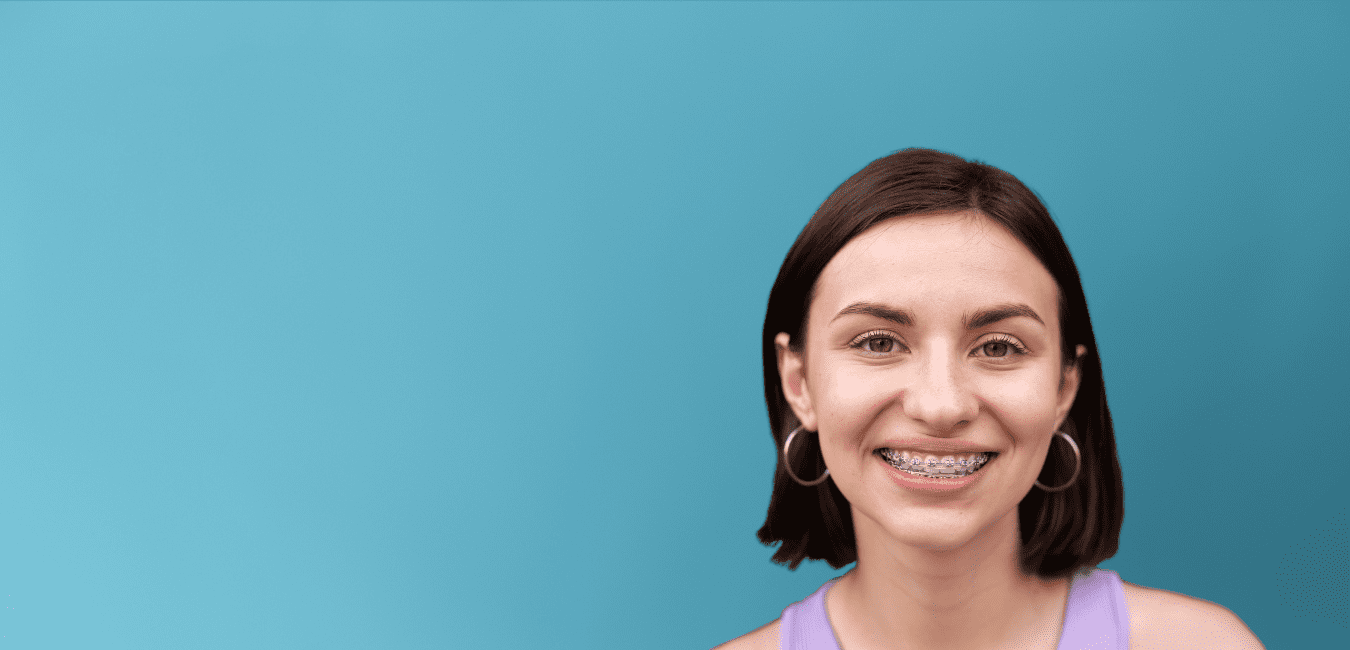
(932, 336)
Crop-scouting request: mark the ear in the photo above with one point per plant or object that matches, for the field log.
(1068, 386)
(792, 372)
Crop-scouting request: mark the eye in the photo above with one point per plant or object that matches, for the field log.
(1000, 348)
(877, 343)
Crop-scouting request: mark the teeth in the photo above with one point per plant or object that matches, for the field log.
(931, 466)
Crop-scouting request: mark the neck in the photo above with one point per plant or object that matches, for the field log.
(971, 596)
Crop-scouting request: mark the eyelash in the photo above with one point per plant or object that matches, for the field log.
(1017, 348)
(862, 339)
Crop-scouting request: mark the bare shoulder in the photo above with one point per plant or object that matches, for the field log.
(764, 638)
(1161, 619)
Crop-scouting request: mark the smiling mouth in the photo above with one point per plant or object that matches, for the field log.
(933, 466)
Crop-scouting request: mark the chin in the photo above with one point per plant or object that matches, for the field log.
(929, 530)
(936, 540)
(936, 530)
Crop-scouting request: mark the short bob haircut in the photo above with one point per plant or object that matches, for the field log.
(1061, 531)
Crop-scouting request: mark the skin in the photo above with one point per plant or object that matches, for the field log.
(940, 569)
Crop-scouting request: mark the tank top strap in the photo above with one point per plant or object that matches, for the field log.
(806, 626)
(1095, 616)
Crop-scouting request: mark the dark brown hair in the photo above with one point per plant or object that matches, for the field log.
(1062, 531)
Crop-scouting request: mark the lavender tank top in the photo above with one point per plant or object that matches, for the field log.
(1095, 617)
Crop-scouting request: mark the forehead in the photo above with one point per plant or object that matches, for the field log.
(938, 263)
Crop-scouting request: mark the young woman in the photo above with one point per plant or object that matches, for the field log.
(935, 393)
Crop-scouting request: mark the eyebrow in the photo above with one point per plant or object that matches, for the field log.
(981, 318)
(1000, 312)
(897, 316)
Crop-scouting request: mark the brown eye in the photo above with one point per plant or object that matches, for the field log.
(1000, 349)
(997, 349)
(877, 342)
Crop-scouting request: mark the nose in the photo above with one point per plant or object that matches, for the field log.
(937, 395)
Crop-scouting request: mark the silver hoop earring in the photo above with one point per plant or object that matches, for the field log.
(787, 463)
(1077, 466)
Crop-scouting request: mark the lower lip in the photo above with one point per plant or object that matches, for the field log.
(906, 480)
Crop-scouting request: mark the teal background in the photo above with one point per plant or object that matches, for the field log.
(437, 325)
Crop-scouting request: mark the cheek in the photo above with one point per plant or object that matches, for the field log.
(847, 402)
(1025, 403)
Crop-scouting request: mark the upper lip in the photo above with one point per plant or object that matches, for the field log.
(936, 446)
